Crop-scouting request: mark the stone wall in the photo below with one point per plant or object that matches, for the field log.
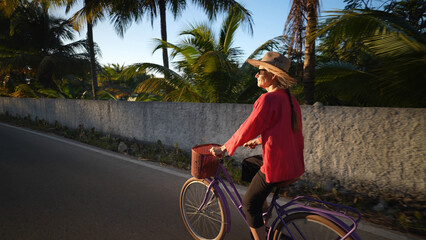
(382, 149)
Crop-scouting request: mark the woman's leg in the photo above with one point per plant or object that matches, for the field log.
(253, 201)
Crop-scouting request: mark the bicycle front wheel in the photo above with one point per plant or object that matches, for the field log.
(208, 222)
(304, 225)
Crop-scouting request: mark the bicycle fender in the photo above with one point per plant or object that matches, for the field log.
(327, 216)
(284, 213)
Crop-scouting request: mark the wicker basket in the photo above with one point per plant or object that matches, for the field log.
(203, 163)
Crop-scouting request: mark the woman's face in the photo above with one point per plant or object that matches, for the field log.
(264, 78)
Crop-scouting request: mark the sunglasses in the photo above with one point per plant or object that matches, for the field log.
(261, 71)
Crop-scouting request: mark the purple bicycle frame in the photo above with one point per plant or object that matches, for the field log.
(282, 210)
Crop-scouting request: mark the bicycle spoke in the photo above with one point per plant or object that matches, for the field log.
(206, 216)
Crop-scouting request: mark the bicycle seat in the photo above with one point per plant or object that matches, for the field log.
(286, 183)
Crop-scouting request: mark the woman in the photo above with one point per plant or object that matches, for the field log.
(276, 117)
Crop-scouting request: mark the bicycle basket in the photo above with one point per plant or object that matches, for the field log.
(203, 163)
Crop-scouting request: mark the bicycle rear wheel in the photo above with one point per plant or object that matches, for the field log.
(305, 225)
(209, 222)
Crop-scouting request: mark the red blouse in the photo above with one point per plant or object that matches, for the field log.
(282, 148)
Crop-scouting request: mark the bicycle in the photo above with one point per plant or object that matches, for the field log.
(206, 213)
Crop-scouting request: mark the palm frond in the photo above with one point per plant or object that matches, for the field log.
(154, 69)
(212, 8)
(77, 48)
(24, 90)
(200, 37)
(229, 26)
(339, 70)
(105, 95)
(50, 93)
(357, 25)
(79, 20)
(345, 84)
(394, 50)
(211, 61)
(160, 44)
(183, 94)
(123, 15)
(163, 86)
(394, 44)
(157, 86)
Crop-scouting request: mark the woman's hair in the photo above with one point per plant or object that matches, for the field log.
(295, 124)
(282, 83)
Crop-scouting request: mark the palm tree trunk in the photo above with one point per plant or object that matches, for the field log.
(309, 63)
(162, 6)
(92, 60)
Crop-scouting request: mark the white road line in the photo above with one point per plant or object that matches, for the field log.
(101, 151)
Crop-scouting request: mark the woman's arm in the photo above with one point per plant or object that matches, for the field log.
(259, 119)
(219, 151)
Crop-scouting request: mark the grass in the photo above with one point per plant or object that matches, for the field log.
(401, 213)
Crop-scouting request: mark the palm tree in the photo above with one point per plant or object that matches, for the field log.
(151, 8)
(92, 12)
(312, 9)
(294, 33)
(34, 49)
(389, 72)
(301, 23)
(208, 66)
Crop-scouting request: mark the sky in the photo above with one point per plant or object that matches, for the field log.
(137, 45)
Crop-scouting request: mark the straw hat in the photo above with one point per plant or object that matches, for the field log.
(277, 64)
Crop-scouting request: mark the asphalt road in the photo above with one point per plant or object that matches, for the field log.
(55, 188)
(52, 189)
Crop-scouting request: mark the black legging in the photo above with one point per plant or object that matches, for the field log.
(257, 191)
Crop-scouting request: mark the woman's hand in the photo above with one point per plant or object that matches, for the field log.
(252, 143)
(218, 151)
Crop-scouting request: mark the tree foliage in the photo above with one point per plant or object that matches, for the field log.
(120, 81)
(32, 49)
(378, 55)
(124, 13)
(208, 66)
(365, 57)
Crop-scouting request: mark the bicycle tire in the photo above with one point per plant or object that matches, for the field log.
(209, 223)
(311, 226)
